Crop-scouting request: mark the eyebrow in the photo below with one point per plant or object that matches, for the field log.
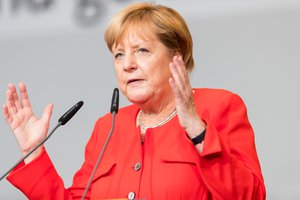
(120, 47)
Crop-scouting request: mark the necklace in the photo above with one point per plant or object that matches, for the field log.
(157, 124)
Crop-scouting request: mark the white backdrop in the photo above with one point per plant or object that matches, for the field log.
(251, 48)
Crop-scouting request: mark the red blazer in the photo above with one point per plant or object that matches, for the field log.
(167, 165)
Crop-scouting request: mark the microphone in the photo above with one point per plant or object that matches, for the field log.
(62, 121)
(114, 110)
(115, 101)
(70, 113)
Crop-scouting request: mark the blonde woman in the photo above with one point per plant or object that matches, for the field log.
(173, 142)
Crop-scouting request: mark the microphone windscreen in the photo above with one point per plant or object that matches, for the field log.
(115, 101)
(70, 113)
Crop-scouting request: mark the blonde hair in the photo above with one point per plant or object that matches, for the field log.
(167, 24)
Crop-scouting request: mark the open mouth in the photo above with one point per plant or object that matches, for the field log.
(134, 81)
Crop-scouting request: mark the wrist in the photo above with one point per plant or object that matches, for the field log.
(196, 132)
(33, 155)
(195, 129)
(199, 138)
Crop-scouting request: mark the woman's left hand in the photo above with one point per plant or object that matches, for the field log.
(184, 98)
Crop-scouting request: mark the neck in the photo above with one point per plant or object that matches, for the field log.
(162, 122)
(156, 112)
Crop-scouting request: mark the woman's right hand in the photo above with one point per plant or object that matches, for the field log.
(28, 130)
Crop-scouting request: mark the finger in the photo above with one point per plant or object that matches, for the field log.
(175, 73)
(176, 91)
(24, 96)
(15, 96)
(173, 87)
(180, 66)
(10, 102)
(181, 72)
(184, 101)
(47, 113)
(174, 69)
(181, 87)
(178, 80)
(6, 113)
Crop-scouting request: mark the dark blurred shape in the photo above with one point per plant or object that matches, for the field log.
(15, 5)
(35, 6)
(89, 12)
(39, 5)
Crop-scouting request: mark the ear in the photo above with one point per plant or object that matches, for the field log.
(177, 53)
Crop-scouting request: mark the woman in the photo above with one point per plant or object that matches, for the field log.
(174, 142)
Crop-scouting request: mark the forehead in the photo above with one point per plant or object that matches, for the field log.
(135, 33)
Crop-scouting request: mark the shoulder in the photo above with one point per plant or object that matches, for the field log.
(124, 112)
(215, 94)
(212, 93)
(130, 109)
(217, 98)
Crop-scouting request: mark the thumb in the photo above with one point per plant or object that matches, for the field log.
(47, 113)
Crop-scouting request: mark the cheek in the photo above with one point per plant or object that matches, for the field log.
(160, 76)
(119, 76)
(121, 83)
(118, 71)
(120, 80)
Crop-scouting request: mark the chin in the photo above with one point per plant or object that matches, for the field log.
(138, 97)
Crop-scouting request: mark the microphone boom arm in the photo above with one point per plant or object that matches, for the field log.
(30, 152)
(114, 110)
(62, 121)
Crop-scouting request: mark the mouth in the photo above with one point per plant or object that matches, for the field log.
(134, 81)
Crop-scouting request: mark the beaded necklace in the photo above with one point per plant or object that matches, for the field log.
(157, 124)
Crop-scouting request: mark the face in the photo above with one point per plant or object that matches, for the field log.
(141, 64)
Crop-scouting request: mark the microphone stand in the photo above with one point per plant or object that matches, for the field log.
(30, 152)
(62, 121)
(114, 110)
(100, 156)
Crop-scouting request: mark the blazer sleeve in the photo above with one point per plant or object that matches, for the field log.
(229, 165)
(39, 180)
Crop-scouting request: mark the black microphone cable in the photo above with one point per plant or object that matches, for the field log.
(62, 121)
(114, 110)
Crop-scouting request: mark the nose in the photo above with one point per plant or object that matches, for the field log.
(129, 63)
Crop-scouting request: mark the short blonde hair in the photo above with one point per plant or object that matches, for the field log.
(167, 24)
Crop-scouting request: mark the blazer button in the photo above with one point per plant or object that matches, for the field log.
(137, 166)
(131, 195)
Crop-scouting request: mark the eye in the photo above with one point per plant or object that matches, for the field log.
(142, 50)
(118, 55)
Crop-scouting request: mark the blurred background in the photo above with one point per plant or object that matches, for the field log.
(249, 47)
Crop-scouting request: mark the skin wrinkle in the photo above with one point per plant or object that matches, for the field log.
(152, 69)
(161, 102)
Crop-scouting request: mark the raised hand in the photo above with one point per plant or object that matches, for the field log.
(184, 98)
(26, 127)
